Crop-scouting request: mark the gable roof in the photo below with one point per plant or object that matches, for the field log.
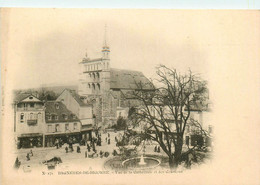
(87, 60)
(78, 98)
(22, 96)
(128, 79)
(51, 109)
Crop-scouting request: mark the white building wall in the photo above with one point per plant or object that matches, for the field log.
(22, 127)
(51, 127)
(85, 112)
(71, 104)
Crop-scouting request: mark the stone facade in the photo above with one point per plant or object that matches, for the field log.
(105, 87)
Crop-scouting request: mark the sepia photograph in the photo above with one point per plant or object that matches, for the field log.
(122, 94)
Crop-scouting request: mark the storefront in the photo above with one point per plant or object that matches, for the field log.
(86, 133)
(30, 140)
(73, 138)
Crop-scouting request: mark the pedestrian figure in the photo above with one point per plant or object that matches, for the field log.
(94, 148)
(106, 139)
(57, 143)
(72, 149)
(188, 160)
(60, 143)
(101, 154)
(31, 153)
(88, 147)
(108, 142)
(86, 154)
(116, 139)
(114, 153)
(78, 149)
(155, 149)
(158, 149)
(17, 163)
(106, 154)
(66, 148)
(108, 134)
(28, 157)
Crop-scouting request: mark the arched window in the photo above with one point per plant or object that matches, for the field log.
(98, 85)
(94, 76)
(31, 116)
(39, 116)
(73, 116)
(93, 85)
(57, 128)
(98, 75)
(22, 117)
(65, 116)
(48, 116)
(57, 106)
(75, 126)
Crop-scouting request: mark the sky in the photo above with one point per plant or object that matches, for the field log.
(44, 46)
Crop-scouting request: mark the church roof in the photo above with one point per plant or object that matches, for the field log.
(87, 60)
(128, 79)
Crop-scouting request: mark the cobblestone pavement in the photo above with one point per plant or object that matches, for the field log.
(71, 159)
(74, 160)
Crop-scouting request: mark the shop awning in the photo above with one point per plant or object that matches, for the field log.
(86, 128)
(31, 135)
(87, 121)
(64, 133)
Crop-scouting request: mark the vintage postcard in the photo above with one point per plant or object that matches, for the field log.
(120, 96)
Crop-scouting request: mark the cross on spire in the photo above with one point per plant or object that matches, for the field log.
(105, 35)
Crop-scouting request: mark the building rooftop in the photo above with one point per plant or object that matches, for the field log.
(22, 96)
(78, 98)
(87, 60)
(128, 79)
(57, 112)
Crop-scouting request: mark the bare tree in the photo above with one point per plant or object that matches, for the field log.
(165, 111)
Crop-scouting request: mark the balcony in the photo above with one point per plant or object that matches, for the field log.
(32, 122)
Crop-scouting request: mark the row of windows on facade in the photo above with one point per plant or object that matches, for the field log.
(94, 86)
(32, 105)
(33, 116)
(92, 67)
(56, 117)
(94, 75)
(57, 127)
(195, 129)
(21, 105)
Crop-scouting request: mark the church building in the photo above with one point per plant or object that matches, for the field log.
(108, 88)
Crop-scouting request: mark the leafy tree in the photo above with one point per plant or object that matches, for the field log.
(47, 95)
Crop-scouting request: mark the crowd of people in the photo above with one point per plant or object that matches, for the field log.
(91, 146)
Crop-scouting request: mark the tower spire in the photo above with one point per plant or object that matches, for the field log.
(105, 49)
